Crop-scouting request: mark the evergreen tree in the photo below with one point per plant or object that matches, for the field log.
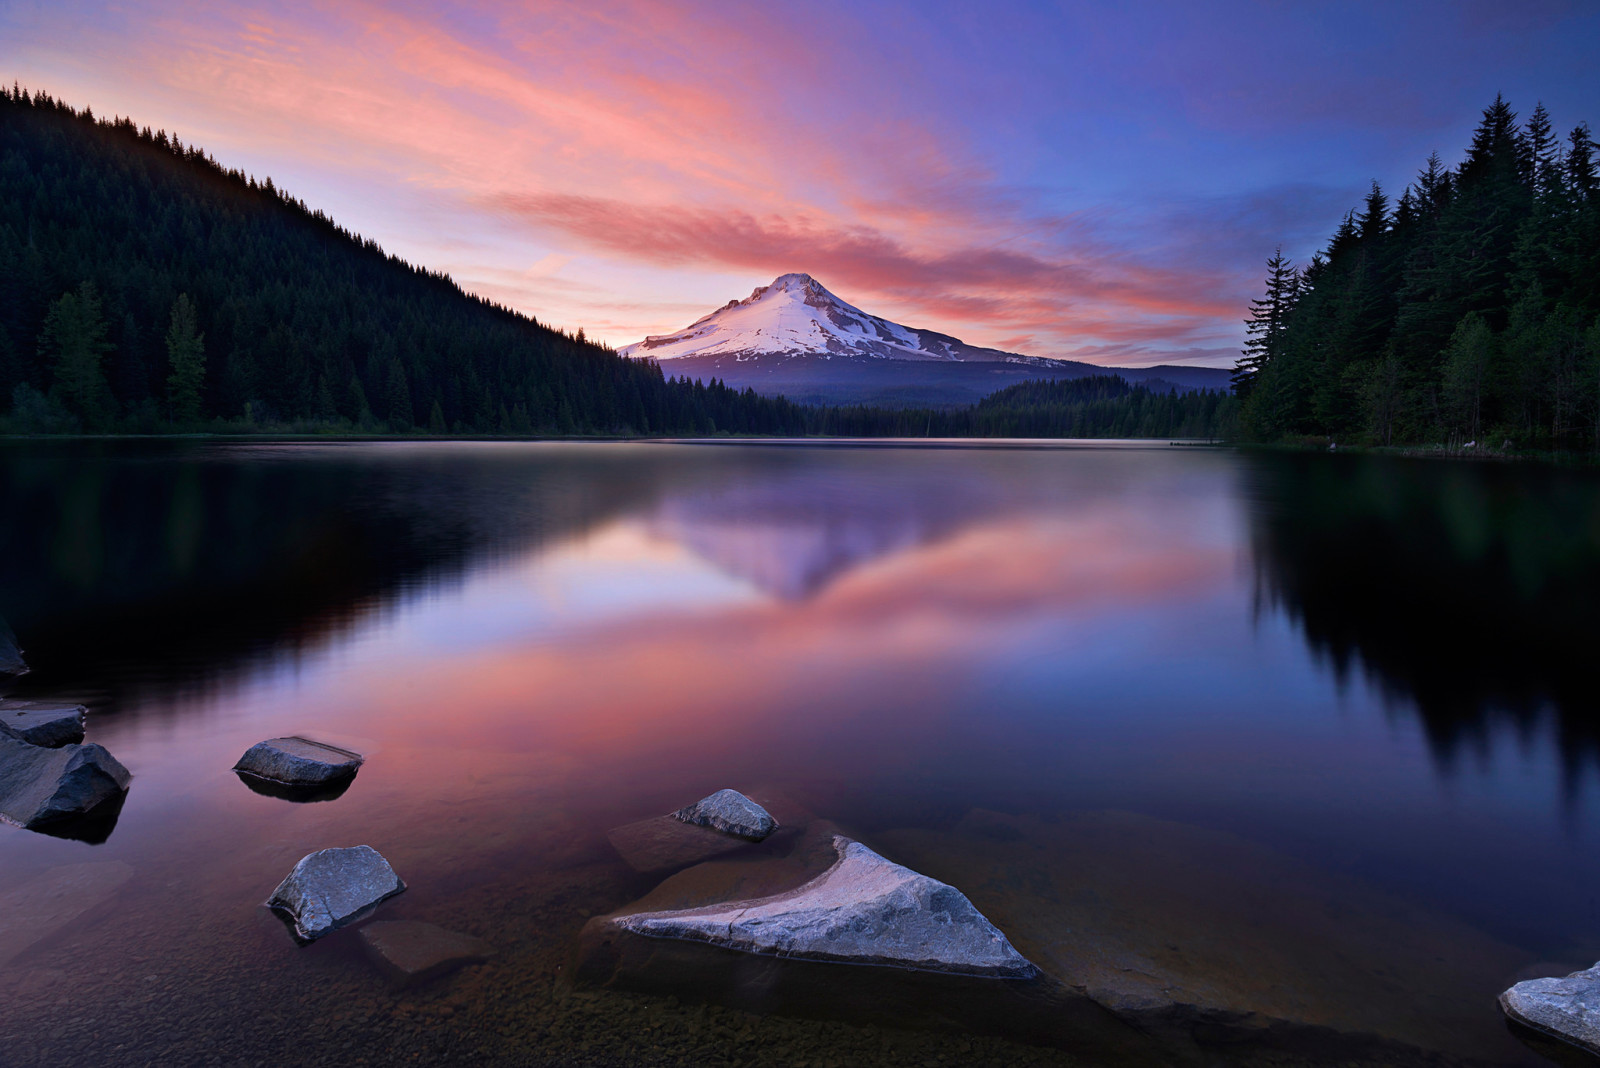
(1268, 317)
(1470, 313)
(398, 394)
(73, 341)
(186, 362)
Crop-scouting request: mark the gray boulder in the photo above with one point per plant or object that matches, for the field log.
(410, 952)
(1567, 1008)
(48, 723)
(40, 787)
(862, 910)
(730, 812)
(332, 888)
(296, 761)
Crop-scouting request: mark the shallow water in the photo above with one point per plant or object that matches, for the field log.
(1308, 736)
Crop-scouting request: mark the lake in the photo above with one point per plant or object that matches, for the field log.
(1302, 736)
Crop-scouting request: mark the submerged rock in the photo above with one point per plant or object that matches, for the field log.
(1203, 939)
(726, 822)
(47, 723)
(54, 900)
(1566, 1008)
(752, 931)
(332, 888)
(666, 843)
(862, 910)
(42, 787)
(730, 812)
(411, 952)
(296, 761)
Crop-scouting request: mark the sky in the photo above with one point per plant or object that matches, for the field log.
(1093, 181)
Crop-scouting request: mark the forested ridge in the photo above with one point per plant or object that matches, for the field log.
(1466, 313)
(144, 287)
(1099, 406)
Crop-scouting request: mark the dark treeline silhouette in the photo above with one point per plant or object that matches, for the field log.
(144, 287)
(1466, 311)
(1100, 406)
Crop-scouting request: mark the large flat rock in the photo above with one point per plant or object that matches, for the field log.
(41, 787)
(668, 943)
(730, 812)
(47, 723)
(862, 910)
(333, 888)
(296, 761)
(1567, 1008)
(53, 901)
(410, 952)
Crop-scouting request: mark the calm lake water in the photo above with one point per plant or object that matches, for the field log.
(1308, 736)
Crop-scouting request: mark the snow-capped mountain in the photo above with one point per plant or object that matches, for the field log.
(796, 314)
(796, 339)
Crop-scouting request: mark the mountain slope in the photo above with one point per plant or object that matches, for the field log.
(796, 339)
(104, 225)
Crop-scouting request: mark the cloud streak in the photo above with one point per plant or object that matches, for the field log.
(1069, 180)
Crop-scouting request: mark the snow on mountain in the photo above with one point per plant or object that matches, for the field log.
(796, 315)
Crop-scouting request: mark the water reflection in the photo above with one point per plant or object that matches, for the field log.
(1032, 673)
(139, 569)
(1469, 592)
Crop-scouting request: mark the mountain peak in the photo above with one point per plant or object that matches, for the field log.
(796, 315)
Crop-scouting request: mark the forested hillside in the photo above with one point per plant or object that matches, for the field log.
(1468, 311)
(144, 287)
(1100, 406)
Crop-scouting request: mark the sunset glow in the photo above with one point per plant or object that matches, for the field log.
(1058, 181)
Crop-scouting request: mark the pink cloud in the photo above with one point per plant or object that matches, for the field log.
(628, 134)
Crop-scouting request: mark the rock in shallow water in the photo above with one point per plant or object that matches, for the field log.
(47, 723)
(296, 761)
(411, 952)
(863, 910)
(1566, 1008)
(41, 787)
(331, 888)
(730, 812)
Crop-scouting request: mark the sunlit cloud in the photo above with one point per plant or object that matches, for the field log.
(1067, 181)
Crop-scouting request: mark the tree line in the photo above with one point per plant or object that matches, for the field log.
(1097, 406)
(145, 288)
(1467, 312)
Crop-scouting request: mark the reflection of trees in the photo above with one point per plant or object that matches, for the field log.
(1473, 590)
(153, 566)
